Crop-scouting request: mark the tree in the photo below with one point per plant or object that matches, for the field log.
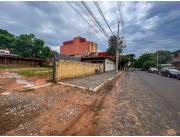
(24, 45)
(164, 57)
(140, 62)
(149, 63)
(128, 59)
(147, 60)
(112, 46)
(7, 40)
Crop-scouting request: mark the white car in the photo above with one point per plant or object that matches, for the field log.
(153, 70)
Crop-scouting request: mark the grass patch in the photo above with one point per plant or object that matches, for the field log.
(3, 67)
(29, 71)
(35, 72)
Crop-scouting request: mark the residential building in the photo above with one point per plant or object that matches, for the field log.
(101, 58)
(176, 59)
(78, 47)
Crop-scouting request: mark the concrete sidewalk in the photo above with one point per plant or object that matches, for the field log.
(92, 83)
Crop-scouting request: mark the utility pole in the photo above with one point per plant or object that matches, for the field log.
(157, 61)
(117, 49)
(54, 66)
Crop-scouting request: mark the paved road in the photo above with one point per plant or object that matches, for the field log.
(168, 89)
(145, 104)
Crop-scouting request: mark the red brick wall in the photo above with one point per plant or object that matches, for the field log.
(78, 47)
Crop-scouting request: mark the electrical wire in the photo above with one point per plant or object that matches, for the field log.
(102, 15)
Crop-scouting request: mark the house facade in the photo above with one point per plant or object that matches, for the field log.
(108, 62)
(176, 59)
(78, 47)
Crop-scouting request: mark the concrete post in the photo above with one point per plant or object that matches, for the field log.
(54, 67)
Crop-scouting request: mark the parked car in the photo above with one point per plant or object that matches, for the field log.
(139, 69)
(153, 70)
(178, 75)
(170, 72)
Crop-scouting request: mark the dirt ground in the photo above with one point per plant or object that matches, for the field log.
(10, 80)
(54, 110)
(63, 110)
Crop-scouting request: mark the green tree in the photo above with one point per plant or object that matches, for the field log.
(25, 45)
(147, 60)
(164, 57)
(112, 46)
(140, 62)
(149, 63)
(128, 58)
(7, 40)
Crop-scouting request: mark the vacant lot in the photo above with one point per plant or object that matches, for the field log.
(54, 110)
(17, 77)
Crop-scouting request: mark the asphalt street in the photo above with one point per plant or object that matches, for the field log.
(145, 104)
(168, 89)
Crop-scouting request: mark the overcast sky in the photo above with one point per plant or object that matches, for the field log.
(148, 26)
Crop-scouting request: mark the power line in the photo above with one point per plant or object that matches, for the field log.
(102, 15)
(87, 15)
(69, 3)
(95, 19)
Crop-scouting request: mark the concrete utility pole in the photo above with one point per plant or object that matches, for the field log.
(157, 60)
(54, 66)
(117, 49)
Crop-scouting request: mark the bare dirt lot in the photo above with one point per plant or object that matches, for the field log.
(17, 78)
(126, 106)
(54, 110)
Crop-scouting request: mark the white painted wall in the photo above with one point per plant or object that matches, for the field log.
(109, 65)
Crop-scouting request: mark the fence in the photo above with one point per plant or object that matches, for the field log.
(70, 67)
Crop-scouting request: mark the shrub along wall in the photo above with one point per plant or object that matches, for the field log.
(72, 69)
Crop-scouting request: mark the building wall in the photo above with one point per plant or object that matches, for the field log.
(71, 69)
(176, 61)
(78, 47)
(109, 65)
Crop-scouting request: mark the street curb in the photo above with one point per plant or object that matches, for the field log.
(92, 89)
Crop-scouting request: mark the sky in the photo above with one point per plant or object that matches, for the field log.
(148, 26)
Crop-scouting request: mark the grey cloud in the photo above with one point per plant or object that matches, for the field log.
(145, 23)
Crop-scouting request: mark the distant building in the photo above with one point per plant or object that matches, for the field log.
(78, 47)
(176, 59)
(101, 58)
(6, 58)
